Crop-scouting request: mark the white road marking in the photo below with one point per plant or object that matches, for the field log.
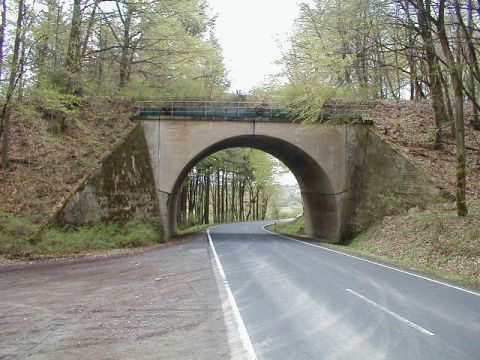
(389, 312)
(378, 264)
(240, 325)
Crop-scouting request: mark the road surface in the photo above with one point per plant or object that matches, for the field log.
(299, 301)
(160, 304)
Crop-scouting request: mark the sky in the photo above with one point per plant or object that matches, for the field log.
(248, 31)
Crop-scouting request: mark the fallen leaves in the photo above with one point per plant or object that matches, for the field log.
(51, 166)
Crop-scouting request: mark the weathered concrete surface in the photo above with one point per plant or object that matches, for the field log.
(379, 178)
(120, 189)
(161, 304)
(343, 170)
(316, 156)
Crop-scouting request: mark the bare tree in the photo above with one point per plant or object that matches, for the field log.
(455, 71)
(3, 25)
(14, 66)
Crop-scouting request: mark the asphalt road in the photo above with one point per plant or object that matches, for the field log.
(298, 301)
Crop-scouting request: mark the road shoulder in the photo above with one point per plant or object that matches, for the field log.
(160, 304)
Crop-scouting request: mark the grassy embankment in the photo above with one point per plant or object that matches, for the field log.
(434, 241)
(21, 238)
(295, 227)
(193, 229)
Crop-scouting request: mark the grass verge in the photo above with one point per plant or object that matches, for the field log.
(193, 229)
(21, 238)
(437, 242)
(295, 227)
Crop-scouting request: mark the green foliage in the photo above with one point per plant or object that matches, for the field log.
(16, 235)
(97, 237)
(55, 102)
(328, 59)
(20, 237)
(137, 49)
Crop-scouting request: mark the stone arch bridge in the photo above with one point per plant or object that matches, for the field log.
(348, 175)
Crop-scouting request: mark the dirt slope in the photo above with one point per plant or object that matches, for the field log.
(409, 125)
(46, 166)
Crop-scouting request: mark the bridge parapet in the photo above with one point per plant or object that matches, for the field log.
(332, 111)
(152, 110)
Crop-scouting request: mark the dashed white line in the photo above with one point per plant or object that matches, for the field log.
(249, 352)
(378, 264)
(389, 312)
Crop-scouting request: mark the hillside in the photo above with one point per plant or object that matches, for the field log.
(47, 166)
(409, 125)
(433, 239)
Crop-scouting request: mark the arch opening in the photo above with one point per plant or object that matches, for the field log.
(236, 185)
(320, 206)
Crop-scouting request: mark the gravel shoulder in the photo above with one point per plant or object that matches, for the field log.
(159, 304)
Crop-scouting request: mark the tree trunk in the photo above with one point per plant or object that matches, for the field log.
(6, 113)
(206, 204)
(222, 199)
(3, 25)
(88, 31)
(57, 31)
(241, 198)
(219, 210)
(73, 50)
(190, 201)
(448, 105)
(232, 206)
(424, 13)
(214, 200)
(474, 69)
(182, 207)
(455, 74)
(124, 61)
(21, 65)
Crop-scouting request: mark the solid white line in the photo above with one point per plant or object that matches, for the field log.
(242, 330)
(378, 264)
(396, 316)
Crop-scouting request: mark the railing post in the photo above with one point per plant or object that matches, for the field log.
(205, 108)
(171, 107)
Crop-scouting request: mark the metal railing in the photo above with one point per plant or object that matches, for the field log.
(207, 109)
(349, 111)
